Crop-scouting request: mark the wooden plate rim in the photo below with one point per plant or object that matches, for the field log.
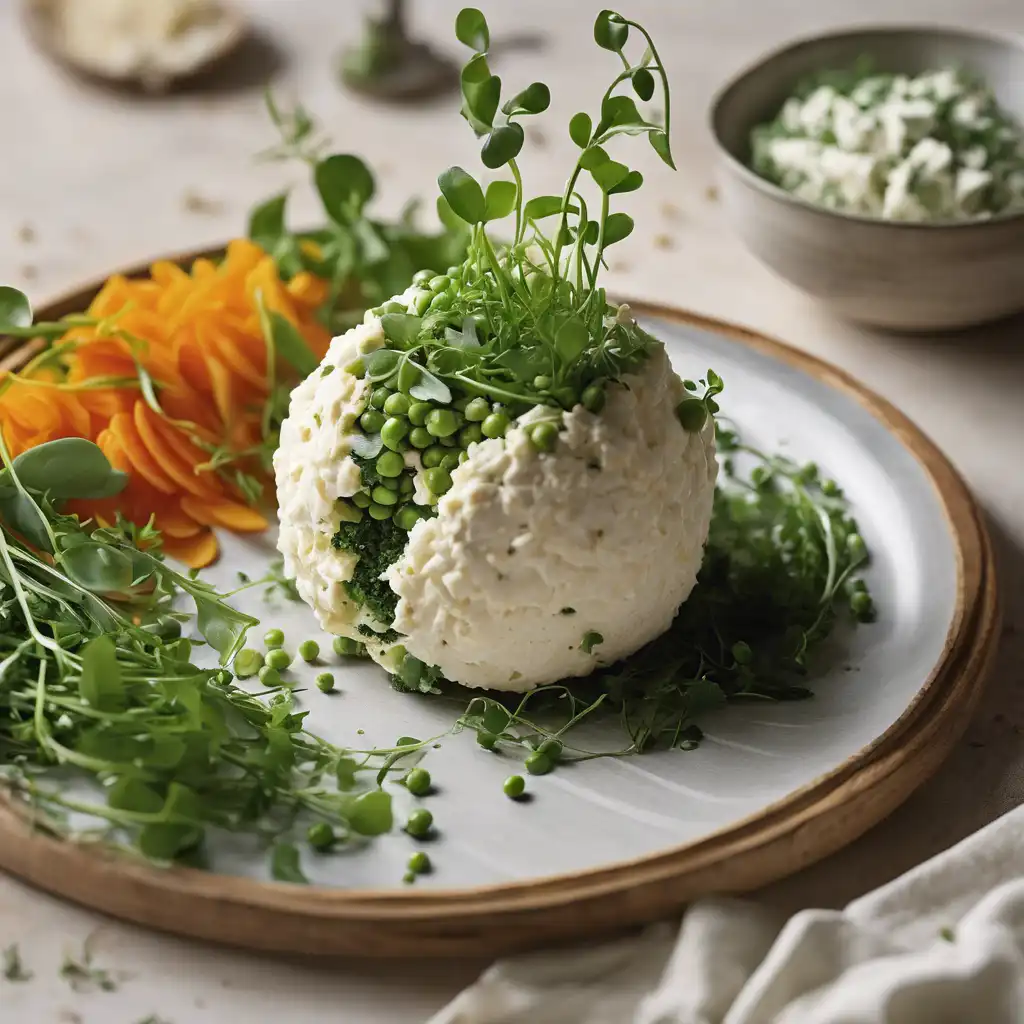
(804, 826)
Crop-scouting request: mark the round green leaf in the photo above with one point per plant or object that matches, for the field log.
(609, 174)
(593, 157)
(545, 206)
(580, 128)
(266, 222)
(382, 363)
(617, 227)
(345, 185)
(401, 328)
(592, 232)
(534, 99)
(643, 83)
(617, 111)
(471, 29)
(501, 199)
(99, 568)
(69, 467)
(630, 183)
(609, 31)
(15, 309)
(464, 194)
(571, 339)
(502, 145)
(480, 93)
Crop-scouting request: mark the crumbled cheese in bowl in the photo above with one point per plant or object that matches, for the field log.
(931, 147)
(537, 566)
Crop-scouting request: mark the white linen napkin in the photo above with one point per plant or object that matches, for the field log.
(943, 944)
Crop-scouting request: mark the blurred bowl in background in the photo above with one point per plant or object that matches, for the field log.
(149, 44)
(897, 275)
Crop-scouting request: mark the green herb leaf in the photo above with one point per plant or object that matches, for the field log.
(593, 157)
(609, 174)
(69, 467)
(100, 568)
(534, 99)
(15, 309)
(481, 92)
(571, 340)
(580, 128)
(132, 794)
(366, 446)
(100, 683)
(286, 865)
(401, 328)
(609, 31)
(643, 84)
(546, 206)
(591, 639)
(222, 626)
(430, 389)
(500, 200)
(630, 183)
(266, 222)
(617, 227)
(345, 185)
(503, 144)
(291, 345)
(382, 363)
(464, 194)
(660, 143)
(471, 29)
(371, 814)
(618, 110)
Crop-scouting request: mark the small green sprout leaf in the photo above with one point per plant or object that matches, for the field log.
(500, 200)
(643, 84)
(464, 195)
(471, 29)
(481, 92)
(100, 683)
(291, 345)
(580, 128)
(659, 140)
(69, 467)
(630, 183)
(617, 227)
(609, 174)
(610, 33)
(571, 340)
(546, 206)
(534, 99)
(593, 157)
(267, 223)
(15, 310)
(591, 639)
(345, 185)
(286, 865)
(502, 145)
(400, 328)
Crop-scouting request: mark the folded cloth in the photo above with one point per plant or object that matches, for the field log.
(943, 944)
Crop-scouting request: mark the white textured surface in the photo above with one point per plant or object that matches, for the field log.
(610, 525)
(943, 944)
(123, 197)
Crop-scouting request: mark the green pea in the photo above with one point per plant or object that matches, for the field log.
(437, 480)
(390, 464)
(422, 276)
(394, 307)
(360, 499)
(278, 659)
(551, 749)
(397, 404)
(433, 456)
(379, 397)
(441, 301)
(320, 836)
(477, 410)
(421, 303)
(419, 823)
(418, 413)
(487, 740)
(471, 434)
(408, 878)
(463, 457)
(371, 421)
(543, 437)
(273, 638)
(325, 682)
(538, 763)
(418, 781)
(346, 647)
(742, 653)
(439, 283)
(454, 272)
(450, 462)
(393, 433)
(247, 663)
(419, 863)
(462, 404)
(383, 496)
(420, 438)
(862, 606)
(542, 382)
(515, 786)
(495, 425)
(379, 512)
(223, 677)
(442, 422)
(309, 650)
(451, 441)
(357, 368)
(405, 485)
(593, 398)
(270, 677)
(566, 397)
(406, 517)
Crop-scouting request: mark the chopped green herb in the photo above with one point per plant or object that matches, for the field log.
(14, 969)
(590, 640)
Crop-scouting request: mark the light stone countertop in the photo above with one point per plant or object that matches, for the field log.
(90, 182)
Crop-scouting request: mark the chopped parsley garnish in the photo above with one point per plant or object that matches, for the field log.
(379, 544)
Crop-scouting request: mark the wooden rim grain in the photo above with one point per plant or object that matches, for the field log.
(494, 920)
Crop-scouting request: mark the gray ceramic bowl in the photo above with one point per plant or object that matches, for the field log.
(911, 277)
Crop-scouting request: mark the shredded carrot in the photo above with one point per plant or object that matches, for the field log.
(196, 335)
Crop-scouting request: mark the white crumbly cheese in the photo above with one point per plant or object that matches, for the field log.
(153, 40)
(931, 147)
(528, 552)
